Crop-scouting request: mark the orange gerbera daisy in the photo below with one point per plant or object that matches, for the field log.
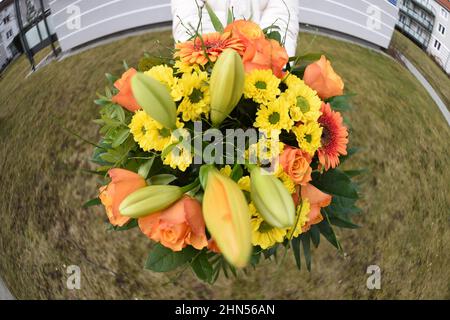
(213, 44)
(334, 137)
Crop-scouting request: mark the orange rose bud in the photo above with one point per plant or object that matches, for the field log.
(317, 200)
(125, 96)
(296, 163)
(123, 183)
(176, 227)
(321, 77)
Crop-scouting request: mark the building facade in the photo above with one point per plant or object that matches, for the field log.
(427, 22)
(416, 20)
(10, 44)
(439, 46)
(8, 31)
(78, 22)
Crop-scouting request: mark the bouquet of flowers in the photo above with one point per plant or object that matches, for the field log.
(226, 152)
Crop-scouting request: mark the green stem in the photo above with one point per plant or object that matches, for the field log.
(190, 186)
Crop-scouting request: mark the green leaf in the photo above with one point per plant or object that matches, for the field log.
(327, 231)
(162, 259)
(202, 267)
(230, 16)
(315, 235)
(335, 182)
(120, 138)
(305, 238)
(307, 57)
(237, 172)
(102, 102)
(130, 225)
(145, 168)
(341, 103)
(295, 242)
(275, 35)
(162, 179)
(214, 19)
(111, 78)
(339, 220)
(355, 173)
(91, 203)
(125, 65)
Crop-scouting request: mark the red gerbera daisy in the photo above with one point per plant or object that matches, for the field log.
(334, 137)
(193, 51)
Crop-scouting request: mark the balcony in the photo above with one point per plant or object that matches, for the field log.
(428, 25)
(425, 5)
(414, 35)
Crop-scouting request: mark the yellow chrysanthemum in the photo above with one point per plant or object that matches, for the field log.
(226, 170)
(274, 116)
(148, 133)
(309, 136)
(244, 183)
(164, 74)
(261, 86)
(180, 156)
(196, 99)
(302, 218)
(183, 67)
(263, 234)
(265, 150)
(304, 102)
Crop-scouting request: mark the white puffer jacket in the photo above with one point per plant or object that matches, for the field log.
(282, 13)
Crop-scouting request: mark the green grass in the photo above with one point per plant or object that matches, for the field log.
(435, 75)
(42, 186)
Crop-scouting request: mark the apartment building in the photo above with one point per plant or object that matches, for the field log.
(427, 22)
(439, 46)
(8, 31)
(80, 21)
(416, 20)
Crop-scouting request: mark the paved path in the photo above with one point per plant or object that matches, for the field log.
(427, 87)
(4, 292)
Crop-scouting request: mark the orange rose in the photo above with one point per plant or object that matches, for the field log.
(260, 52)
(245, 30)
(321, 77)
(125, 96)
(317, 200)
(123, 183)
(265, 54)
(176, 227)
(296, 164)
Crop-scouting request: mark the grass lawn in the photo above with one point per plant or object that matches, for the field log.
(406, 193)
(437, 77)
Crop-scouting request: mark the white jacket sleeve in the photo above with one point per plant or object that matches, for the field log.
(284, 14)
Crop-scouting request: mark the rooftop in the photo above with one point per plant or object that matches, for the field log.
(444, 3)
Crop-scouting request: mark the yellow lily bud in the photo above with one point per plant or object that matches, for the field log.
(272, 199)
(155, 99)
(148, 200)
(227, 217)
(226, 85)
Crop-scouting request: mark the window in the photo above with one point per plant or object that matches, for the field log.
(444, 13)
(6, 19)
(441, 29)
(9, 34)
(437, 45)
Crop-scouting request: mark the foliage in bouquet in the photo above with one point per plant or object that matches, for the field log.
(172, 172)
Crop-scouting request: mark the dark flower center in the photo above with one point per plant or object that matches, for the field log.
(264, 227)
(196, 95)
(274, 118)
(261, 85)
(164, 132)
(303, 104)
